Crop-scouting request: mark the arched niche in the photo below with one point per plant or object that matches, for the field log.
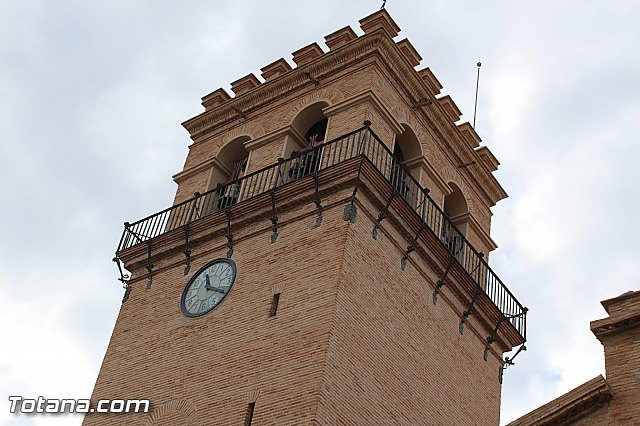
(455, 205)
(229, 165)
(455, 229)
(308, 128)
(228, 160)
(407, 152)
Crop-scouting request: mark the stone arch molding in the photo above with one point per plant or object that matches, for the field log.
(449, 175)
(404, 117)
(330, 96)
(253, 130)
(181, 407)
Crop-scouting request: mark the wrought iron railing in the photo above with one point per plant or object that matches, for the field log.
(362, 142)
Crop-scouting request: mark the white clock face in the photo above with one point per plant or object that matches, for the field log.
(208, 287)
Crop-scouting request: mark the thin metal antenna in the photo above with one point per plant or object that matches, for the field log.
(383, 3)
(475, 107)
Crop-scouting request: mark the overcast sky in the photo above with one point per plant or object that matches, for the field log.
(92, 95)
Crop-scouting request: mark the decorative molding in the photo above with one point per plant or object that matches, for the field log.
(266, 139)
(484, 236)
(373, 100)
(431, 173)
(205, 165)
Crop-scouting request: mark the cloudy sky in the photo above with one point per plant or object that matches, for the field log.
(92, 95)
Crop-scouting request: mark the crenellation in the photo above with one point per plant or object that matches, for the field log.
(450, 108)
(488, 159)
(307, 54)
(215, 98)
(245, 84)
(340, 37)
(430, 80)
(275, 69)
(380, 20)
(410, 53)
(469, 134)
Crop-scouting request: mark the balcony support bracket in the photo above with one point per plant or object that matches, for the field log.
(317, 200)
(412, 247)
(509, 361)
(492, 337)
(123, 279)
(382, 215)
(441, 282)
(274, 217)
(469, 310)
(149, 266)
(351, 211)
(187, 251)
(229, 234)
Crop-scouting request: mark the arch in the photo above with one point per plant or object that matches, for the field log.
(175, 412)
(408, 152)
(233, 150)
(228, 166)
(310, 117)
(456, 207)
(455, 203)
(408, 143)
(451, 175)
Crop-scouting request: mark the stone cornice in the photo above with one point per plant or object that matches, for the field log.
(212, 162)
(374, 100)
(612, 325)
(264, 140)
(482, 234)
(426, 166)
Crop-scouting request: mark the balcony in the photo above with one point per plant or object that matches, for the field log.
(481, 286)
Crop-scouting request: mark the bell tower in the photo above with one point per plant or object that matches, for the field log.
(325, 258)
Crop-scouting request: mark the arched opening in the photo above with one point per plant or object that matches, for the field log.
(457, 210)
(408, 143)
(309, 130)
(228, 167)
(408, 153)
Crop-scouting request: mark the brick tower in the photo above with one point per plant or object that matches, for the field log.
(324, 260)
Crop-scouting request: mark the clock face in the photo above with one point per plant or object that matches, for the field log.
(208, 287)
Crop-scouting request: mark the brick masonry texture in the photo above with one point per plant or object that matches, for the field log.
(356, 340)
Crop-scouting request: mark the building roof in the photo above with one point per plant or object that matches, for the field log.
(577, 403)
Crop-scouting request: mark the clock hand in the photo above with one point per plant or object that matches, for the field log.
(209, 287)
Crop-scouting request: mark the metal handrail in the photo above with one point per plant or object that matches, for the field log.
(362, 142)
